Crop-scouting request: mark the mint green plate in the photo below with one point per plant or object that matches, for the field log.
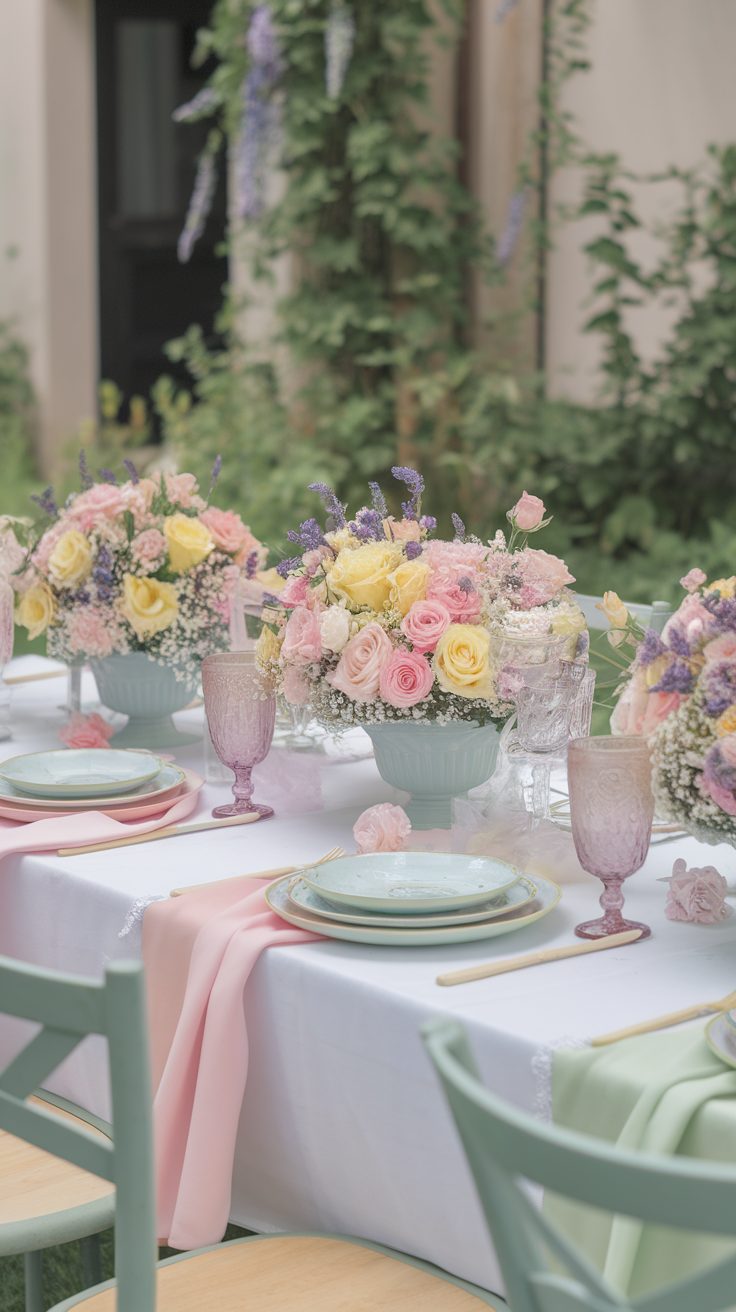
(409, 882)
(721, 1038)
(80, 772)
(519, 895)
(548, 895)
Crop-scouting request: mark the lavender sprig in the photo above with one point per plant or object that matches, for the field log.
(309, 536)
(458, 526)
(415, 485)
(109, 476)
(428, 523)
(200, 205)
(339, 41)
(251, 565)
(378, 500)
(285, 567)
(47, 502)
(368, 525)
(650, 647)
(214, 475)
(413, 549)
(102, 574)
(85, 477)
(335, 509)
(678, 677)
(131, 471)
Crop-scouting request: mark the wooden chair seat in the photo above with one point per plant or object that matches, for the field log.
(35, 1184)
(297, 1273)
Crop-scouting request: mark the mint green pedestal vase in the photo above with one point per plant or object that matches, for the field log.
(435, 763)
(148, 694)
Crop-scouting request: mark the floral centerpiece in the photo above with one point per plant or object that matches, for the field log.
(146, 568)
(382, 624)
(681, 694)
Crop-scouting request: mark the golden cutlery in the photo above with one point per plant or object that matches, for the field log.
(332, 855)
(33, 678)
(537, 958)
(170, 831)
(664, 1022)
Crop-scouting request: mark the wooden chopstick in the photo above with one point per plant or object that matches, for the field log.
(537, 958)
(171, 831)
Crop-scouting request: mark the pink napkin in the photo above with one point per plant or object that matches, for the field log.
(199, 951)
(88, 827)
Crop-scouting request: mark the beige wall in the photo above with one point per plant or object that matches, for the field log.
(661, 88)
(47, 204)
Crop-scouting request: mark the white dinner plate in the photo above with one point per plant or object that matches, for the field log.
(548, 895)
(75, 772)
(519, 895)
(410, 882)
(721, 1038)
(167, 779)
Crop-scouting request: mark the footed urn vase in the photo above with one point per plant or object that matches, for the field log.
(148, 693)
(435, 763)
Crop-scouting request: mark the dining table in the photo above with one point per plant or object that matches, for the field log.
(343, 1125)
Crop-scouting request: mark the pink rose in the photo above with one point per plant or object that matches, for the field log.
(302, 642)
(528, 513)
(463, 604)
(724, 798)
(696, 895)
(545, 574)
(402, 530)
(42, 553)
(639, 711)
(382, 828)
(86, 731)
(694, 579)
(720, 649)
(231, 535)
(294, 591)
(425, 623)
(406, 679)
(182, 490)
(103, 501)
(311, 560)
(294, 686)
(455, 557)
(358, 671)
(148, 549)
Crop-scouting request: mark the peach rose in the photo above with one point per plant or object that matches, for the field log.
(302, 642)
(547, 574)
(231, 535)
(402, 530)
(406, 679)
(103, 501)
(528, 513)
(182, 490)
(638, 712)
(358, 671)
(696, 895)
(425, 623)
(86, 731)
(382, 828)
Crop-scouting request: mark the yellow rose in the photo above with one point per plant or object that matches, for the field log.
(408, 584)
(148, 606)
(653, 673)
(71, 559)
(568, 623)
(726, 587)
(341, 538)
(268, 646)
(614, 610)
(36, 610)
(462, 660)
(361, 576)
(189, 542)
(726, 723)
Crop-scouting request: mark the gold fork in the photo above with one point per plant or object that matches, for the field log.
(663, 1022)
(332, 855)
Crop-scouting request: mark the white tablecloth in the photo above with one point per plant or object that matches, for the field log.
(343, 1125)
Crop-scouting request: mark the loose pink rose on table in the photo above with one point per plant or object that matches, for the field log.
(86, 731)
(382, 828)
(302, 641)
(358, 671)
(425, 623)
(696, 895)
(406, 678)
(694, 579)
(528, 513)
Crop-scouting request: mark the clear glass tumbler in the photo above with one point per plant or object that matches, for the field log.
(611, 811)
(240, 706)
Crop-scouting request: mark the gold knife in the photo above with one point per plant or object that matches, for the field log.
(538, 958)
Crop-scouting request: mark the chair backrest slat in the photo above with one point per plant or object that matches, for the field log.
(44, 1053)
(56, 1135)
(505, 1146)
(63, 1002)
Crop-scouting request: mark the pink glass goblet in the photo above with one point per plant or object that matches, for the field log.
(611, 810)
(240, 706)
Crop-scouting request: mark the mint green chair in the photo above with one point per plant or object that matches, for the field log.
(296, 1273)
(542, 1270)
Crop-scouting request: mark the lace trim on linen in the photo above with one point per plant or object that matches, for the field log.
(542, 1074)
(134, 918)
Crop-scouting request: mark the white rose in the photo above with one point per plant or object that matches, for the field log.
(334, 625)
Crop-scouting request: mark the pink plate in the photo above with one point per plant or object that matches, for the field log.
(129, 811)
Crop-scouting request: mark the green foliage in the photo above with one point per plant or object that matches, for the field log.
(17, 405)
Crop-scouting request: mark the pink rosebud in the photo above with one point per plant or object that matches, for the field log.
(86, 731)
(382, 828)
(696, 895)
(528, 513)
(694, 579)
(358, 671)
(302, 642)
(425, 623)
(406, 679)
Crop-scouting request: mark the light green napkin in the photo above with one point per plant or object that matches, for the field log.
(662, 1093)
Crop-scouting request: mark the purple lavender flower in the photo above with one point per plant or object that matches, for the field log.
(203, 103)
(285, 567)
(413, 549)
(458, 526)
(85, 477)
(109, 476)
(309, 536)
(335, 509)
(428, 522)
(200, 204)
(251, 565)
(339, 41)
(270, 598)
(378, 500)
(716, 770)
(260, 117)
(214, 475)
(723, 609)
(650, 647)
(47, 502)
(131, 471)
(506, 244)
(678, 642)
(368, 525)
(678, 677)
(415, 484)
(466, 584)
(719, 685)
(102, 574)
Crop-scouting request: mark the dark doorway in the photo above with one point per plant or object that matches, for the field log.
(146, 170)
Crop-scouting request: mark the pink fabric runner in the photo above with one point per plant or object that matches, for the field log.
(199, 951)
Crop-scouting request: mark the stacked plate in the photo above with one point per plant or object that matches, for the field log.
(412, 899)
(128, 784)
